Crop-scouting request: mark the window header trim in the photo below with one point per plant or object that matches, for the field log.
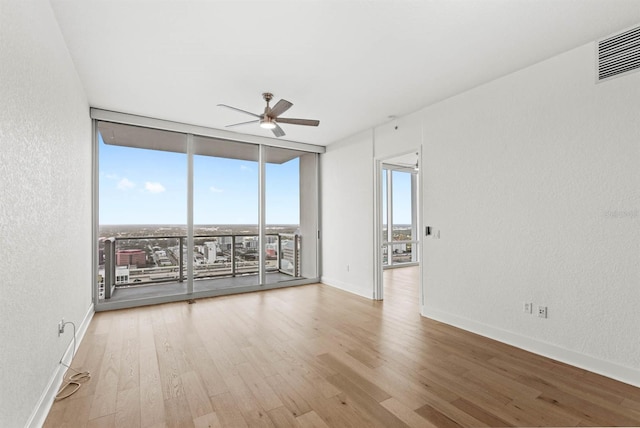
(147, 122)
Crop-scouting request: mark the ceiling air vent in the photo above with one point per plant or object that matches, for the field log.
(619, 54)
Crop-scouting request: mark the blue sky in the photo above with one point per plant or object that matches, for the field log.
(401, 198)
(139, 186)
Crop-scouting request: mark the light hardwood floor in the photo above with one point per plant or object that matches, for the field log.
(314, 356)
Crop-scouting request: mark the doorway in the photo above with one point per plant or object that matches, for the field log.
(397, 237)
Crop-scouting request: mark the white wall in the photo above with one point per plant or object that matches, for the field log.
(534, 183)
(347, 214)
(45, 204)
(398, 136)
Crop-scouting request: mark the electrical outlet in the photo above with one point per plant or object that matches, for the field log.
(61, 327)
(527, 307)
(542, 311)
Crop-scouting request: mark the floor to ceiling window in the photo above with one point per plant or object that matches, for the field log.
(225, 213)
(399, 216)
(291, 211)
(183, 215)
(142, 210)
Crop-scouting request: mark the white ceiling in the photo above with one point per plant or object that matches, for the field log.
(350, 64)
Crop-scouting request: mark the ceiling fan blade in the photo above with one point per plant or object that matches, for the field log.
(277, 131)
(306, 122)
(280, 107)
(243, 123)
(240, 110)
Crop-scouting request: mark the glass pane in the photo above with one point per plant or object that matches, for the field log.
(291, 214)
(403, 253)
(401, 206)
(385, 255)
(225, 214)
(385, 236)
(142, 215)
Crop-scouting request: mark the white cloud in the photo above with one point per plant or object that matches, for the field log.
(214, 189)
(154, 187)
(125, 184)
(112, 176)
(245, 168)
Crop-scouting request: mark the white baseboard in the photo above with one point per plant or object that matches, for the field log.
(368, 293)
(615, 371)
(40, 412)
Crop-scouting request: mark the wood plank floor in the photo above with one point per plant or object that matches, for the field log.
(314, 356)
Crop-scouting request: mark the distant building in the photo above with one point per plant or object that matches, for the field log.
(198, 259)
(161, 259)
(224, 242)
(101, 282)
(122, 275)
(250, 242)
(271, 250)
(137, 258)
(399, 248)
(211, 251)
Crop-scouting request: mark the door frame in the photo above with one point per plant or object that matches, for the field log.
(378, 279)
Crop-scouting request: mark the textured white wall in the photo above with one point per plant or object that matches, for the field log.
(347, 214)
(45, 203)
(534, 183)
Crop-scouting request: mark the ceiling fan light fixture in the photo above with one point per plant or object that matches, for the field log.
(267, 123)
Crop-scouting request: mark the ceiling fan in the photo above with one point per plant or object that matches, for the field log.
(271, 116)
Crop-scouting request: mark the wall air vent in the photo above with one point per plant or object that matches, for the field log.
(619, 54)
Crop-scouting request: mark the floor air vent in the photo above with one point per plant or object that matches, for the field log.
(619, 54)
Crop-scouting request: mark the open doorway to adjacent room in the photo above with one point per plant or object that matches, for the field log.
(397, 228)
